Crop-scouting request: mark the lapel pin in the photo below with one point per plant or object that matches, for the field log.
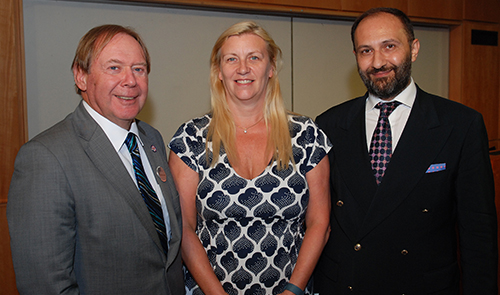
(161, 173)
(153, 148)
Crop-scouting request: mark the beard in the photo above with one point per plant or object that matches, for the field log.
(388, 87)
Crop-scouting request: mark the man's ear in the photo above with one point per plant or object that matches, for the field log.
(415, 47)
(80, 78)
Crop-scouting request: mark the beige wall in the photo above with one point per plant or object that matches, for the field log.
(319, 68)
(324, 66)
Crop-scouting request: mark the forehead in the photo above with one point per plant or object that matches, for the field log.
(379, 28)
(122, 46)
(245, 43)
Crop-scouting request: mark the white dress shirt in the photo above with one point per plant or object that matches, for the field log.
(117, 136)
(398, 117)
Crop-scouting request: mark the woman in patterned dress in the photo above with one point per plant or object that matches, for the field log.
(253, 178)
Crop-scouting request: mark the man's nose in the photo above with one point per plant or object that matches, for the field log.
(129, 78)
(379, 59)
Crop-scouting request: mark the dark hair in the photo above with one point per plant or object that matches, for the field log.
(396, 12)
(94, 41)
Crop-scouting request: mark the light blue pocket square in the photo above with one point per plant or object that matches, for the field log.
(436, 167)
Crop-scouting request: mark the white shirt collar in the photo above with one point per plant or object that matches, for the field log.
(406, 97)
(115, 133)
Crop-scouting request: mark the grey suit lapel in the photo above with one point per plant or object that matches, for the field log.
(100, 150)
(422, 139)
(156, 157)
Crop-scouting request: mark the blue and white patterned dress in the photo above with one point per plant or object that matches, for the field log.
(252, 229)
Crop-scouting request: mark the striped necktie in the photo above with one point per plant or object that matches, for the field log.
(148, 194)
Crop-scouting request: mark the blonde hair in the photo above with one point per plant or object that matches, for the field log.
(222, 130)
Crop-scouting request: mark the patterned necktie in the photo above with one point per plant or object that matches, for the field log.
(147, 191)
(381, 144)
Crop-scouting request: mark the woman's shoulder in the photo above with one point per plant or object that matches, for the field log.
(301, 120)
(200, 122)
(193, 126)
(304, 129)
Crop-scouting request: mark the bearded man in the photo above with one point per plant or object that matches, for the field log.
(412, 190)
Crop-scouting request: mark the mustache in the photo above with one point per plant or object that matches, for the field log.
(382, 69)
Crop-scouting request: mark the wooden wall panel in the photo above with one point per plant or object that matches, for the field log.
(13, 124)
(473, 80)
(456, 52)
(326, 4)
(7, 278)
(482, 10)
(480, 68)
(442, 9)
(479, 10)
(12, 90)
(362, 5)
(312, 8)
(339, 9)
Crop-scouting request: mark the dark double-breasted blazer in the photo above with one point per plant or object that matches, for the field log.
(437, 196)
(77, 221)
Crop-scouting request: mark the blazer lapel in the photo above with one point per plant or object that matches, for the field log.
(100, 150)
(352, 160)
(353, 137)
(421, 141)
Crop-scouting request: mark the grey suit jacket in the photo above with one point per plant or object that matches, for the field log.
(77, 222)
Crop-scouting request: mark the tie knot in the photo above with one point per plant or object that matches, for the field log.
(387, 108)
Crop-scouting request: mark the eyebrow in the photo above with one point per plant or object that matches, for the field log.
(392, 40)
(117, 61)
(250, 53)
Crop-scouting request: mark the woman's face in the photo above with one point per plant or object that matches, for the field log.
(245, 68)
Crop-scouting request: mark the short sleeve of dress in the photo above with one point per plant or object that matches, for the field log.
(310, 144)
(189, 141)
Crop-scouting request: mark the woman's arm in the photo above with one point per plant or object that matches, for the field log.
(317, 224)
(193, 254)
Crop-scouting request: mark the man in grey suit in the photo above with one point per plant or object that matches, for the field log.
(92, 206)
